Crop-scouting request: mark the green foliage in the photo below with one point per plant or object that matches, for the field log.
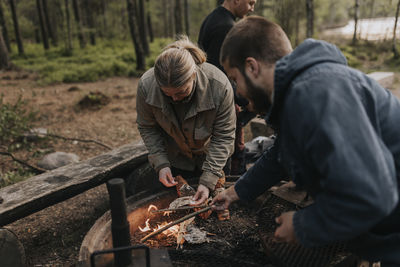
(14, 120)
(106, 59)
(12, 177)
(370, 56)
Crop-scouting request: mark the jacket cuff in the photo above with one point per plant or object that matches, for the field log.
(159, 161)
(299, 230)
(209, 179)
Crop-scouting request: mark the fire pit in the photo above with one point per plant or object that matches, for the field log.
(244, 240)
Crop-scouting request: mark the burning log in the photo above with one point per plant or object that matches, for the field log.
(162, 229)
(219, 187)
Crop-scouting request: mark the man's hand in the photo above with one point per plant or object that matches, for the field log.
(224, 199)
(166, 178)
(201, 195)
(285, 232)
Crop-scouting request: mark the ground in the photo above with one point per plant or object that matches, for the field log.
(52, 237)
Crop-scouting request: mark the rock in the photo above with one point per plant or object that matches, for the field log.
(57, 159)
(12, 252)
(35, 134)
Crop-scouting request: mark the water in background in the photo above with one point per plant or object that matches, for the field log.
(368, 29)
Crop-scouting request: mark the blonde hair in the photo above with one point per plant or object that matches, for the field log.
(177, 63)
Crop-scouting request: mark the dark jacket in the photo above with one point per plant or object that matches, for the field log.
(338, 137)
(213, 31)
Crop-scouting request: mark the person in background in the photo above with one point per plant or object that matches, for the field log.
(338, 136)
(212, 33)
(186, 117)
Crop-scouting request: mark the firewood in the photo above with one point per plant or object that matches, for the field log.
(219, 187)
(183, 188)
(162, 229)
(179, 208)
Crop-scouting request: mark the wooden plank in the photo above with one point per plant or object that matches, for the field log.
(49, 188)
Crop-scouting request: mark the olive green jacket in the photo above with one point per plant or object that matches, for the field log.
(206, 136)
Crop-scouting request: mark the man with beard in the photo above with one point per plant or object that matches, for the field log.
(338, 137)
(186, 117)
(212, 33)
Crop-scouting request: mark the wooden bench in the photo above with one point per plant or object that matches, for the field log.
(41, 191)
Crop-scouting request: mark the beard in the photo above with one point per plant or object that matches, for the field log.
(258, 96)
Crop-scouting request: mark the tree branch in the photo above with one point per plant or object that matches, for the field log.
(37, 170)
(76, 139)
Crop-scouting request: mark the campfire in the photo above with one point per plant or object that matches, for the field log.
(182, 229)
(243, 240)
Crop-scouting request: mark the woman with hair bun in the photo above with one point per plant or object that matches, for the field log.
(186, 117)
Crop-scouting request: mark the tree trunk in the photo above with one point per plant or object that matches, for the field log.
(50, 30)
(165, 18)
(42, 24)
(178, 18)
(187, 17)
(68, 19)
(297, 28)
(4, 58)
(395, 51)
(356, 6)
(372, 9)
(4, 29)
(150, 25)
(78, 20)
(171, 24)
(104, 16)
(310, 18)
(140, 57)
(90, 22)
(16, 27)
(143, 28)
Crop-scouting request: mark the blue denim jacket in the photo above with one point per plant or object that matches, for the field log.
(338, 136)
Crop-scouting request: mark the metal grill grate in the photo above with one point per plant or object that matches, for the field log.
(291, 255)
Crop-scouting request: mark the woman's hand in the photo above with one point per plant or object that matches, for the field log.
(166, 178)
(201, 195)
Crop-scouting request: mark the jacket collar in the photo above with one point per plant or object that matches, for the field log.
(202, 99)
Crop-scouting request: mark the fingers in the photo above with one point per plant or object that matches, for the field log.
(200, 196)
(166, 178)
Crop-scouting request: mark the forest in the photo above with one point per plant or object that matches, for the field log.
(61, 42)
(84, 40)
(69, 71)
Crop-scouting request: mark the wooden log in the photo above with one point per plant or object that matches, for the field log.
(162, 229)
(49, 188)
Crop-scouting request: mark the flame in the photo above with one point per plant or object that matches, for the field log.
(152, 207)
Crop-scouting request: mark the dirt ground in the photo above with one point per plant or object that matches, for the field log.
(52, 237)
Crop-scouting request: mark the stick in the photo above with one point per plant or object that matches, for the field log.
(77, 139)
(173, 223)
(179, 208)
(37, 170)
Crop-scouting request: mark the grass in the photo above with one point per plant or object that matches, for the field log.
(370, 56)
(106, 59)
